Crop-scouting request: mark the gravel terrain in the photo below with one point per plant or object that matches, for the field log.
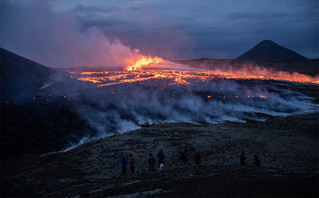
(286, 146)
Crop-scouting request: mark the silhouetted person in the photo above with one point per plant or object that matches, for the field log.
(183, 157)
(151, 162)
(242, 158)
(197, 158)
(161, 157)
(124, 165)
(132, 163)
(257, 162)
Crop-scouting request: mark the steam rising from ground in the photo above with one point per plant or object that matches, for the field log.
(124, 107)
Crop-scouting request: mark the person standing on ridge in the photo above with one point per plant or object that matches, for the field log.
(132, 163)
(257, 162)
(183, 157)
(197, 158)
(161, 157)
(242, 158)
(124, 163)
(151, 163)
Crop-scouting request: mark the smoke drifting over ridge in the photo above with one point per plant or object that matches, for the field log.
(128, 106)
(54, 39)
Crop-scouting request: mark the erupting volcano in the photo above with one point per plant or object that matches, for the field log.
(86, 84)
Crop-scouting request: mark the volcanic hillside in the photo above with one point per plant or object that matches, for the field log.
(21, 78)
(269, 50)
(35, 116)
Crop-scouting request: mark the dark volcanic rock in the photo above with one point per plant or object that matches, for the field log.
(21, 78)
(35, 115)
(269, 50)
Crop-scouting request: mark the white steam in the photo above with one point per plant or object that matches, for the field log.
(125, 107)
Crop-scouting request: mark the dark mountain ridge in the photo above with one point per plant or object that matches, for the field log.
(269, 50)
(36, 116)
(22, 78)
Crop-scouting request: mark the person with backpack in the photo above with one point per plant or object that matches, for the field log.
(132, 163)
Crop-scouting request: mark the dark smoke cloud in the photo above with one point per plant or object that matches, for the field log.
(33, 30)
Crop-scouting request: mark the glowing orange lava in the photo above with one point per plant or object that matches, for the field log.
(177, 77)
(143, 62)
(143, 69)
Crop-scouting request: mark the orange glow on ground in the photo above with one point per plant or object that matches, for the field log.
(143, 69)
(178, 77)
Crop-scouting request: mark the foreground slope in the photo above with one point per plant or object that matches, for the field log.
(287, 148)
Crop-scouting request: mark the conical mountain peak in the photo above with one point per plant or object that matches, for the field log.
(269, 50)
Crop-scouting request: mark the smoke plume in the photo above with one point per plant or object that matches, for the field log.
(128, 106)
(56, 39)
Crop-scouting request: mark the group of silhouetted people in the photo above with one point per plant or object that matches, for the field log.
(242, 158)
(131, 162)
(161, 160)
(151, 161)
(184, 158)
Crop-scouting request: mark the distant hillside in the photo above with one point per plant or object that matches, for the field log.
(269, 50)
(35, 116)
(21, 78)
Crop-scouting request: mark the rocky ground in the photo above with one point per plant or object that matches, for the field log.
(287, 148)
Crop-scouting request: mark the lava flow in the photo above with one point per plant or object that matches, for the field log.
(147, 68)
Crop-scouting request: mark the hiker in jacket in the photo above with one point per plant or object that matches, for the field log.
(132, 163)
(183, 157)
(151, 162)
(124, 163)
(161, 157)
(197, 158)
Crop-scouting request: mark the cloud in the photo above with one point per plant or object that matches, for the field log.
(206, 25)
(189, 29)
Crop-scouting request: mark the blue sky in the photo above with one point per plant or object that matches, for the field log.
(176, 29)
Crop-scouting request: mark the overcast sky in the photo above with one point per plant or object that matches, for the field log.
(177, 29)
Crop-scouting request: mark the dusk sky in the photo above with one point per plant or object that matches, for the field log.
(179, 29)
